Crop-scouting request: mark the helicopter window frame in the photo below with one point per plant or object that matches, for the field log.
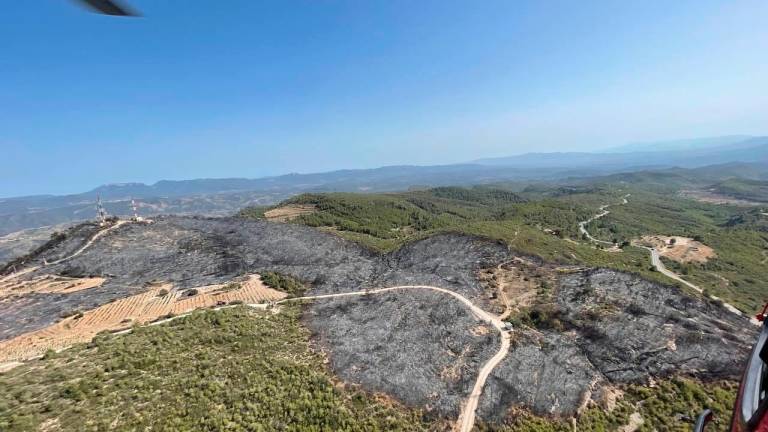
(754, 401)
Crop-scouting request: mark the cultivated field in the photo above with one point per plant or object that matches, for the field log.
(288, 212)
(159, 301)
(47, 284)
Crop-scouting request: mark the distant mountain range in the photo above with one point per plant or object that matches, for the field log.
(226, 196)
(754, 149)
(682, 144)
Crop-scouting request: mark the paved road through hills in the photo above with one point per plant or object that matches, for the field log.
(655, 258)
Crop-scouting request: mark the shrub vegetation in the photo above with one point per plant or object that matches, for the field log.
(543, 220)
(286, 284)
(236, 369)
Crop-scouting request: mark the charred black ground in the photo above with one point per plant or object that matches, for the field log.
(423, 348)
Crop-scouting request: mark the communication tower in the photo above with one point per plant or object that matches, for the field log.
(101, 214)
(136, 217)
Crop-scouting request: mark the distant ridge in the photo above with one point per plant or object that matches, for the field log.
(681, 144)
(223, 196)
(748, 150)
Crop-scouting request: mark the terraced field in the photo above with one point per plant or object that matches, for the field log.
(159, 301)
(50, 284)
(288, 212)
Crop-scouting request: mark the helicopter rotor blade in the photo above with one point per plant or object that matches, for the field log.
(110, 7)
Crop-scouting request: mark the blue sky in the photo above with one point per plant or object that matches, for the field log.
(255, 88)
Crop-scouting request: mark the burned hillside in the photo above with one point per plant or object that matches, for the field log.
(423, 348)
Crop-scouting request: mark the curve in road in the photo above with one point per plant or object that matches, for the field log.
(655, 259)
(79, 251)
(603, 212)
(661, 268)
(466, 420)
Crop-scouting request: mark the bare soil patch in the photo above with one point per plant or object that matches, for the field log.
(518, 282)
(712, 197)
(288, 212)
(160, 301)
(680, 249)
(635, 421)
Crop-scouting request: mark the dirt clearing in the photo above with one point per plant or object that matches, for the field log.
(160, 301)
(712, 197)
(518, 283)
(288, 212)
(680, 249)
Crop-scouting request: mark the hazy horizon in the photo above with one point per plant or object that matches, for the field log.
(610, 149)
(254, 90)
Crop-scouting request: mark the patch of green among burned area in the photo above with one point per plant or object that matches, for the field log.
(543, 220)
(243, 369)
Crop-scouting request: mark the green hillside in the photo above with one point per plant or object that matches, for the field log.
(235, 369)
(749, 190)
(543, 220)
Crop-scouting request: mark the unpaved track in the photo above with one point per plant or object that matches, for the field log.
(466, 420)
(583, 224)
(74, 254)
(467, 417)
(87, 244)
(503, 295)
(658, 265)
(603, 212)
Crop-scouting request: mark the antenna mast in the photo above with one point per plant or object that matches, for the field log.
(101, 214)
(136, 217)
(135, 211)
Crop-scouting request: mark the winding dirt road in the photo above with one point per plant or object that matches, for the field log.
(661, 268)
(69, 257)
(88, 244)
(466, 420)
(583, 225)
(602, 213)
